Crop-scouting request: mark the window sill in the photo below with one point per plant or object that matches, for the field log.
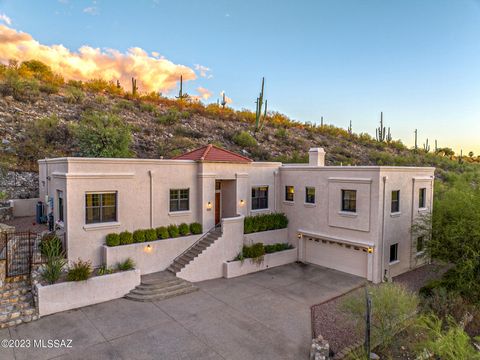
(396, 214)
(422, 210)
(179, 213)
(310, 205)
(420, 253)
(101, 226)
(394, 262)
(259, 210)
(287, 202)
(348, 214)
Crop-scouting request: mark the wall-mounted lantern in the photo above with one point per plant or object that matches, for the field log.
(242, 202)
(370, 250)
(209, 206)
(299, 236)
(148, 248)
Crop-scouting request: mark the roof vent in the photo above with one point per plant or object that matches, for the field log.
(316, 157)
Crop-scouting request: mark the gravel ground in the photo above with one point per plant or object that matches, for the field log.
(26, 223)
(329, 321)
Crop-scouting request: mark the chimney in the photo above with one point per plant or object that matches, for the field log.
(316, 157)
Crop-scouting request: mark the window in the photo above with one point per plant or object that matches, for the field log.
(396, 201)
(393, 253)
(60, 205)
(260, 197)
(100, 207)
(422, 201)
(310, 195)
(349, 200)
(179, 200)
(289, 193)
(420, 244)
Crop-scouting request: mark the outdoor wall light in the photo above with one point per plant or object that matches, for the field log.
(148, 248)
(299, 235)
(242, 202)
(370, 250)
(209, 205)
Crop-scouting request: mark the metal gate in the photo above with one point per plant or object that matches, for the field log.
(20, 250)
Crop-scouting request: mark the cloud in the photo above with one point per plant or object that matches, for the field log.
(203, 70)
(92, 10)
(227, 99)
(5, 19)
(205, 94)
(153, 74)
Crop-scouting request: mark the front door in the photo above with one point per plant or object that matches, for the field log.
(217, 208)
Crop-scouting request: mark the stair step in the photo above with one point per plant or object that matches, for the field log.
(162, 296)
(160, 291)
(160, 285)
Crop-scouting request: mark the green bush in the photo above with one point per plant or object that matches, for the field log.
(104, 270)
(253, 251)
(139, 236)
(244, 139)
(269, 249)
(183, 229)
(113, 240)
(150, 235)
(162, 232)
(172, 116)
(80, 270)
(126, 238)
(196, 228)
(265, 222)
(74, 95)
(128, 264)
(173, 231)
(53, 269)
(51, 246)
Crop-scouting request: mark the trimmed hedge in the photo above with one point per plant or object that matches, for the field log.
(113, 239)
(265, 222)
(162, 232)
(139, 236)
(173, 231)
(150, 235)
(253, 251)
(126, 238)
(183, 229)
(258, 250)
(196, 228)
(277, 247)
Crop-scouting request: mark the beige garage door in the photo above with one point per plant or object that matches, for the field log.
(337, 257)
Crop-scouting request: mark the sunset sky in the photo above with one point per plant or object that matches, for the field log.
(417, 61)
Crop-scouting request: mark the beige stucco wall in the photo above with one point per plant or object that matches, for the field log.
(24, 207)
(267, 237)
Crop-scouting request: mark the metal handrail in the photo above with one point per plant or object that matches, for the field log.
(196, 242)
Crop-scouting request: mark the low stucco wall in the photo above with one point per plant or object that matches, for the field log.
(74, 294)
(209, 264)
(158, 258)
(267, 237)
(24, 207)
(239, 268)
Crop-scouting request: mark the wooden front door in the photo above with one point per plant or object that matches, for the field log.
(217, 208)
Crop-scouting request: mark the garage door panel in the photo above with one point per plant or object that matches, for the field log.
(336, 257)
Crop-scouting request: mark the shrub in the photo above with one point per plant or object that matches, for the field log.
(393, 307)
(125, 104)
(269, 249)
(74, 95)
(51, 246)
(113, 240)
(126, 238)
(183, 229)
(265, 222)
(172, 116)
(254, 251)
(80, 270)
(150, 235)
(244, 139)
(128, 264)
(281, 133)
(196, 228)
(147, 107)
(53, 269)
(104, 270)
(139, 236)
(173, 231)
(162, 232)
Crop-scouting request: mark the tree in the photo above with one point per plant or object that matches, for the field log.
(470, 154)
(102, 134)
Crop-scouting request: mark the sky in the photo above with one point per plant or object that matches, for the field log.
(418, 61)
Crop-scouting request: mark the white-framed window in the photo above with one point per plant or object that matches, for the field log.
(100, 207)
(259, 197)
(289, 193)
(60, 205)
(310, 195)
(179, 200)
(395, 206)
(349, 200)
(420, 244)
(422, 198)
(393, 252)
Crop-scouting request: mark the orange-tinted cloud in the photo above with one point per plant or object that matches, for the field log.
(205, 94)
(152, 73)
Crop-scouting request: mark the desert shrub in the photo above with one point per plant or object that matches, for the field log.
(128, 264)
(265, 222)
(102, 134)
(51, 246)
(147, 107)
(21, 89)
(162, 232)
(393, 308)
(183, 229)
(172, 116)
(104, 270)
(75, 83)
(102, 86)
(244, 139)
(126, 238)
(139, 236)
(196, 228)
(74, 95)
(80, 270)
(281, 133)
(53, 269)
(150, 235)
(112, 239)
(125, 105)
(173, 231)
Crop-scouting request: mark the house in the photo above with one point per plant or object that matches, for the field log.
(355, 219)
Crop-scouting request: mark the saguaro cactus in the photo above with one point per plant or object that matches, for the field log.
(134, 86)
(259, 118)
(224, 101)
(381, 132)
(416, 133)
(181, 95)
(436, 147)
(321, 121)
(350, 131)
(426, 146)
(118, 84)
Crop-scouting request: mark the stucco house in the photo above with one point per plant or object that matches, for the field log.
(355, 219)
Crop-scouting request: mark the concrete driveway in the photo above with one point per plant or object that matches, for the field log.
(258, 316)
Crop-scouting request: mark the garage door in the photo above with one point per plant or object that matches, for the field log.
(344, 258)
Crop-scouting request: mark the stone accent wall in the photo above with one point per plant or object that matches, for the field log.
(19, 185)
(6, 211)
(320, 349)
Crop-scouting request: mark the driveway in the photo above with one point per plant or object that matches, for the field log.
(265, 315)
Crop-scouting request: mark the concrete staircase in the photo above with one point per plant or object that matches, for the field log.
(16, 302)
(159, 286)
(203, 243)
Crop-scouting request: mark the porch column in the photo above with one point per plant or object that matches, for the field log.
(243, 194)
(206, 191)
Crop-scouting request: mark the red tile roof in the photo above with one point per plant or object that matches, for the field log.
(214, 154)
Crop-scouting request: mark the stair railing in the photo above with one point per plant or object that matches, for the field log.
(196, 242)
